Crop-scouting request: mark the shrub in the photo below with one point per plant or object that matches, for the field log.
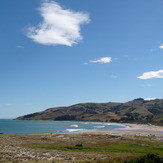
(149, 158)
(79, 145)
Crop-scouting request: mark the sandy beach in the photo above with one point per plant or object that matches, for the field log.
(14, 148)
(135, 129)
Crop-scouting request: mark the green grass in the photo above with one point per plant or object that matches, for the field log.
(117, 149)
(109, 148)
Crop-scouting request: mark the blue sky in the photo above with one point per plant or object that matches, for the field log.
(59, 53)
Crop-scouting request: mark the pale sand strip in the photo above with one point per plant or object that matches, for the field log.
(134, 129)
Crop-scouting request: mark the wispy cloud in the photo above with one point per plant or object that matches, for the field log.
(147, 85)
(59, 27)
(20, 46)
(151, 74)
(113, 76)
(8, 104)
(130, 58)
(102, 60)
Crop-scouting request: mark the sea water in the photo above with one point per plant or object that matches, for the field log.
(8, 126)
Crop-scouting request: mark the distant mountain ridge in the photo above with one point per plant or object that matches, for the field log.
(138, 110)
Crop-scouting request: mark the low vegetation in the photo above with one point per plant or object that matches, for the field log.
(118, 148)
(78, 148)
(149, 158)
(110, 148)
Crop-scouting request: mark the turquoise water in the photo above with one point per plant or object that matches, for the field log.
(9, 126)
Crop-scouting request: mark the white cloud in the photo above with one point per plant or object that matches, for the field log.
(161, 46)
(149, 99)
(151, 74)
(102, 60)
(59, 27)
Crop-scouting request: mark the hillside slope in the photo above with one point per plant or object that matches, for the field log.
(138, 110)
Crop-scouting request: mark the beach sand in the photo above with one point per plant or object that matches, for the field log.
(135, 129)
(13, 148)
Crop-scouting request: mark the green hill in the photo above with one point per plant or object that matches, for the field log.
(136, 111)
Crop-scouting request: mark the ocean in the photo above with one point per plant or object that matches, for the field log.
(9, 126)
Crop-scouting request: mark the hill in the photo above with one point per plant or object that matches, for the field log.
(138, 110)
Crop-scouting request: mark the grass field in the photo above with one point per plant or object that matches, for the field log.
(118, 149)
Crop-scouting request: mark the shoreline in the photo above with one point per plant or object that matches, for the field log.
(134, 129)
(69, 127)
(128, 129)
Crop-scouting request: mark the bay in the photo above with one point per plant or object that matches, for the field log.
(9, 126)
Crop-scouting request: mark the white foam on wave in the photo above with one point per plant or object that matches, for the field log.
(86, 122)
(74, 125)
(97, 123)
(75, 130)
(118, 124)
(99, 126)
